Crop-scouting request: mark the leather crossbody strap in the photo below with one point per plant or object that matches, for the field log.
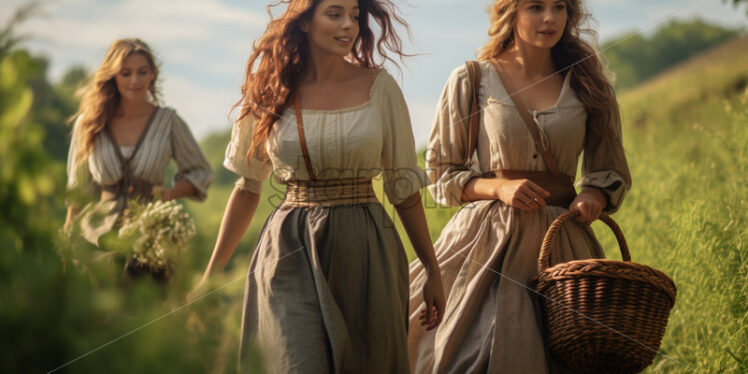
(302, 138)
(474, 74)
(532, 126)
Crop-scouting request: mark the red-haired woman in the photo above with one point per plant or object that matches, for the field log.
(535, 66)
(327, 289)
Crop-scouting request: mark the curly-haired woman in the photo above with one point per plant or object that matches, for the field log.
(327, 290)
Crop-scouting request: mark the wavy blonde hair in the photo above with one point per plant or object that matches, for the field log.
(281, 54)
(571, 54)
(99, 98)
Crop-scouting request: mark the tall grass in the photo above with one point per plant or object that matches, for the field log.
(686, 140)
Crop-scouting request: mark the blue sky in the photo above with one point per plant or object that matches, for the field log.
(203, 44)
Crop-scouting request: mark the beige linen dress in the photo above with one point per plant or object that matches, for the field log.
(166, 137)
(327, 289)
(488, 251)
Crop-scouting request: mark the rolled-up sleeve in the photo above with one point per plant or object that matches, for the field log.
(192, 165)
(252, 171)
(604, 165)
(402, 177)
(446, 159)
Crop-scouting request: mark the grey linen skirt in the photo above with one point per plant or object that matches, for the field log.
(327, 292)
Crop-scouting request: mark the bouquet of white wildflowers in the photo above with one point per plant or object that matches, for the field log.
(158, 232)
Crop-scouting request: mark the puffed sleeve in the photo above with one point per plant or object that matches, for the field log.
(252, 171)
(192, 165)
(446, 158)
(402, 177)
(604, 166)
(79, 176)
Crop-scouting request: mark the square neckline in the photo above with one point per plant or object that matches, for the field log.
(349, 108)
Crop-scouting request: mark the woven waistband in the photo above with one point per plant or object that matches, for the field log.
(330, 192)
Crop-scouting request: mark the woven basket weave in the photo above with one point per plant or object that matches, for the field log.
(603, 316)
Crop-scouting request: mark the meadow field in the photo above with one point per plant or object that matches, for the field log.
(685, 133)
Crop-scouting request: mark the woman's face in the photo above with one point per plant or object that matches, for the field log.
(333, 27)
(540, 23)
(135, 77)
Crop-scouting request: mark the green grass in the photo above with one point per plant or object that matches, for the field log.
(685, 134)
(686, 137)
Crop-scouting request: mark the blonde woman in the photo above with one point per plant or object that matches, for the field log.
(123, 140)
(535, 66)
(327, 288)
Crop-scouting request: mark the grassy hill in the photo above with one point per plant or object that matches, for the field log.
(686, 137)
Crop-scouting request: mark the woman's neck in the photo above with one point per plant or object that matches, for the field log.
(534, 62)
(133, 108)
(324, 68)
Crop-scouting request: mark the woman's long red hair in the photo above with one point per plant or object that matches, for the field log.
(281, 54)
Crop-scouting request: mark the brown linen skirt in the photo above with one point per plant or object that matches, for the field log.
(488, 257)
(327, 292)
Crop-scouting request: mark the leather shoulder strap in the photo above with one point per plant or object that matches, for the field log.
(474, 75)
(302, 138)
(533, 127)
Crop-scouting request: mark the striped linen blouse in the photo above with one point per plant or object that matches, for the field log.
(166, 138)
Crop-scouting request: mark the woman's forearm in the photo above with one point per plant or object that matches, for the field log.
(71, 214)
(480, 189)
(239, 212)
(413, 217)
(180, 189)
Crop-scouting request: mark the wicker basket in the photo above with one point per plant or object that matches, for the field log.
(603, 316)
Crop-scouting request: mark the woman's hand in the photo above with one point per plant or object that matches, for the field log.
(72, 212)
(199, 290)
(521, 193)
(414, 220)
(180, 189)
(167, 194)
(433, 296)
(161, 193)
(590, 204)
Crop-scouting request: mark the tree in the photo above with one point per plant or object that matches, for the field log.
(634, 58)
(737, 3)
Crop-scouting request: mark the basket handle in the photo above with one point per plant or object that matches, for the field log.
(550, 237)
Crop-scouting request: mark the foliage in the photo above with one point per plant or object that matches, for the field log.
(686, 215)
(737, 3)
(635, 58)
(213, 147)
(52, 104)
